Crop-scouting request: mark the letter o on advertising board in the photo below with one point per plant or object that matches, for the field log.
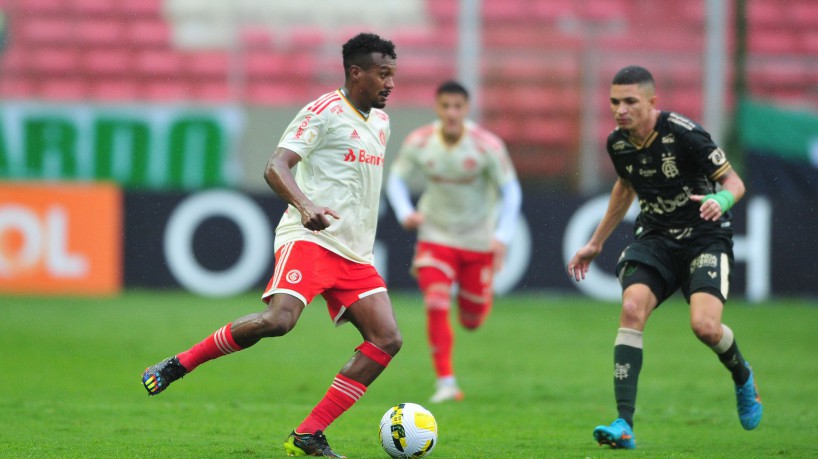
(255, 232)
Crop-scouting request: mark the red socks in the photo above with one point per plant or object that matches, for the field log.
(441, 340)
(342, 394)
(216, 345)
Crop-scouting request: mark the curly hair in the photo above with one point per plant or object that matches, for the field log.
(358, 50)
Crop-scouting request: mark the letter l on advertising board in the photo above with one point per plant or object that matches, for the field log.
(58, 238)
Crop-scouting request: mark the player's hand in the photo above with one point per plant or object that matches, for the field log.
(581, 261)
(498, 249)
(413, 221)
(709, 209)
(315, 218)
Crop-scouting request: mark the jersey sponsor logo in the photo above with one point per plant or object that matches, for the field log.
(354, 135)
(336, 110)
(293, 276)
(647, 172)
(669, 167)
(620, 145)
(717, 156)
(668, 139)
(665, 206)
(363, 157)
(302, 126)
(382, 137)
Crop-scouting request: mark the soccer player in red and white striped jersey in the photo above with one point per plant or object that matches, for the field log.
(465, 218)
(324, 241)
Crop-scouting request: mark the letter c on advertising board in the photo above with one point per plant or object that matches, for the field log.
(597, 283)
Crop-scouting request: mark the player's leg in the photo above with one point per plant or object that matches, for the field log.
(279, 318)
(474, 297)
(436, 287)
(709, 282)
(436, 268)
(374, 318)
(285, 301)
(643, 287)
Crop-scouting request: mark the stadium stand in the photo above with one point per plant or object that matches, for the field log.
(533, 56)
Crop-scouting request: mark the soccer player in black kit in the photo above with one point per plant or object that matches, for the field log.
(685, 187)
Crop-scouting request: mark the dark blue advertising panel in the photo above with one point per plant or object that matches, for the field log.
(220, 242)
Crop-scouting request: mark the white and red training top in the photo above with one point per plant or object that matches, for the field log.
(342, 160)
(463, 182)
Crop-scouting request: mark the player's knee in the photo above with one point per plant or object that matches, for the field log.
(272, 324)
(436, 296)
(634, 314)
(706, 329)
(390, 342)
(472, 315)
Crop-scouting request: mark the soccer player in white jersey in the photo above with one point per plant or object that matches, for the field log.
(324, 241)
(466, 217)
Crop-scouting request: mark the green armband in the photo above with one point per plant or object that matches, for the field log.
(723, 198)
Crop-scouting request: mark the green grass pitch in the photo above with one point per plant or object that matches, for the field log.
(537, 379)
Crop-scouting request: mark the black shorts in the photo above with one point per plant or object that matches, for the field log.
(665, 265)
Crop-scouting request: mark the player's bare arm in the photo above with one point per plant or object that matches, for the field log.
(620, 201)
(714, 205)
(279, 177)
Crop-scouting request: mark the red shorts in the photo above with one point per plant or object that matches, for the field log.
(305, 269)
(474, 271)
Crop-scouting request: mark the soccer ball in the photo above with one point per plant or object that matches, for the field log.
(408, 430)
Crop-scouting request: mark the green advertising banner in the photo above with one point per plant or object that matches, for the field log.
(137, 146)
(779, 131)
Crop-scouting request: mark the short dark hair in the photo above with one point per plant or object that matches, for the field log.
(452, 87)
(358, 50)
(633, 74)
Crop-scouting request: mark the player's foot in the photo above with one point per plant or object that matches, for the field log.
(618, 435)
(445, 393)
(749, 403)
(308, 445)
(158, 377)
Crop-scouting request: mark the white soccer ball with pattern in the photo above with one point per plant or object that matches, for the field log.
(408, 430)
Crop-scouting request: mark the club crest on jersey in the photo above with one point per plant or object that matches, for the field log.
(294, 276)
(669, 167)
(469, 164)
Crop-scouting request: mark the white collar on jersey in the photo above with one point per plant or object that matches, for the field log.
(344, 92)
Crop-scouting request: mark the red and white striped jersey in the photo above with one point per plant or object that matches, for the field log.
(342, 160)
(461, 194)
